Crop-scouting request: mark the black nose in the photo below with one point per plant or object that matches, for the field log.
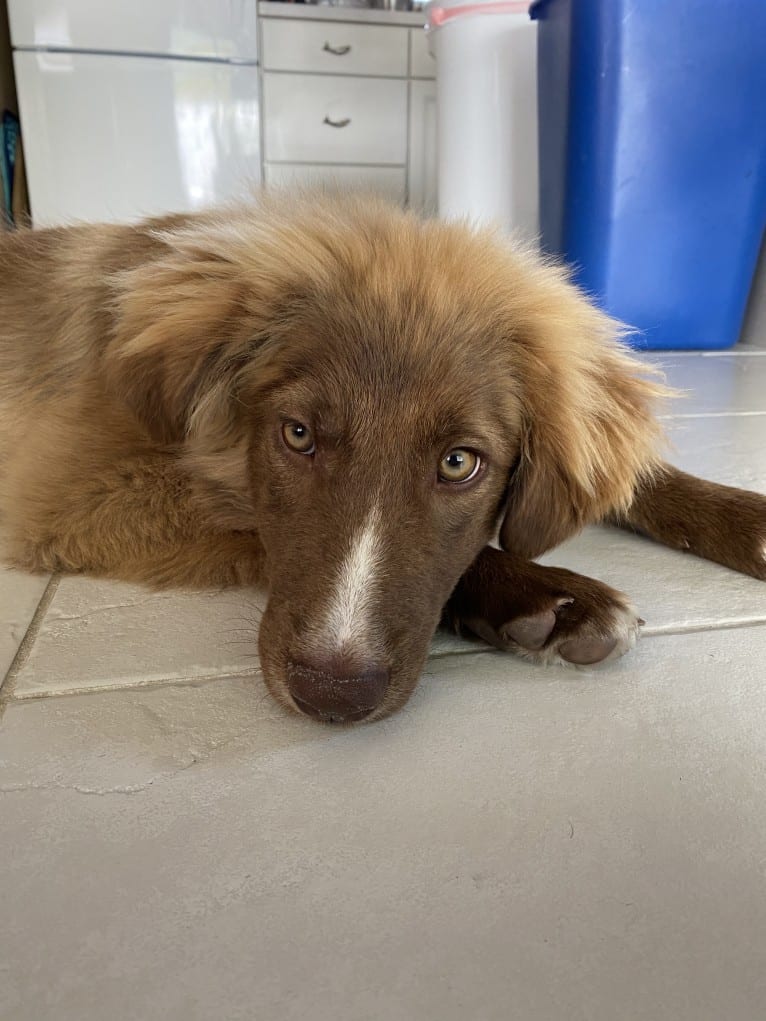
(335, 693)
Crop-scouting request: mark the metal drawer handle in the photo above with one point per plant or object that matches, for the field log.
(338, 51)
(337, 124)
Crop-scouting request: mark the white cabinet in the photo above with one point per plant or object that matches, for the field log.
(391, 182)
(334, 119)
(334, 48)
(110, 137)
(348, 102)
(130, 109)
(422, 168)
(422, 63)
(157, 105)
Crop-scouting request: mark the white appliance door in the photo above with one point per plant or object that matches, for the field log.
(117, 138)
(224, 29)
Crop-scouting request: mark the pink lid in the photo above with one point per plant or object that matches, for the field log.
(439, 15)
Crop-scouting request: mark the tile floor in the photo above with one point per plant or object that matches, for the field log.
(519, 843)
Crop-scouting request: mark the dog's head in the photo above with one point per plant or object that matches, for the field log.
(373, 397)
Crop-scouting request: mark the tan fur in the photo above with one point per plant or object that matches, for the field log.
(145, 372)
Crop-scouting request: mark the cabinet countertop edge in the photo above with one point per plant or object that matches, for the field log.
(322, 12)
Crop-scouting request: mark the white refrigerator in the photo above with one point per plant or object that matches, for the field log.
(134, 108)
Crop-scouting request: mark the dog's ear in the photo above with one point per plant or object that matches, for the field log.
(589, 431)
(181, 339)
(177, 334)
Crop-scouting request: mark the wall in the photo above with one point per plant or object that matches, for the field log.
(754, 329)
(7, 87)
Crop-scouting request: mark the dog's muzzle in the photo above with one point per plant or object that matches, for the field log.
(328, 692)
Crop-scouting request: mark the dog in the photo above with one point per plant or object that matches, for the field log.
(330, 398)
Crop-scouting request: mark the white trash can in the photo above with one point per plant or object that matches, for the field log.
(486, 75)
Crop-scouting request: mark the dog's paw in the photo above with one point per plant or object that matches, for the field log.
(570, 630)
(545, 614)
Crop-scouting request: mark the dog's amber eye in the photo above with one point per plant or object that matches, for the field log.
(298, 437)
(459, 465)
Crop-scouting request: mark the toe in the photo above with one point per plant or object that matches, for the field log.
(584, 651)
(530, 632)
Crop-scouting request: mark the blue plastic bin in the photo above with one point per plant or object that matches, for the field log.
(653, 158)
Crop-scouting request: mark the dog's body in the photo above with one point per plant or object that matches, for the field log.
(333, 400)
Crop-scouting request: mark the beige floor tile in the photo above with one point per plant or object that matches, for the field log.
(101, 633)
(19, 597)
(715, 382)
(729, 448)
(520, 844)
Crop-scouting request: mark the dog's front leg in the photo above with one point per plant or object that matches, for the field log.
(546, 614)
(716, 522)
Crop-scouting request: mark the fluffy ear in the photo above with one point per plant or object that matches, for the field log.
(177, 333)
(181, 339)
(589, 432)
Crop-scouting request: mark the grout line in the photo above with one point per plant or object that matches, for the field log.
(191, 680)
(26, 643)
(471, 649)
(690, 629)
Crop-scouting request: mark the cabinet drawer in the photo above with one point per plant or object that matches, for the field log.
(333, 48)
(388, 181)
(333, 119)
(422, 64)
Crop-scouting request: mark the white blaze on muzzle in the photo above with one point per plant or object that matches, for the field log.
(349, 620)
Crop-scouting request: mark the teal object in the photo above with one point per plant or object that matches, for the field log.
(10, 136)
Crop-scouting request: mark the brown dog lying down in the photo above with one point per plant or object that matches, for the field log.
(330, 398)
